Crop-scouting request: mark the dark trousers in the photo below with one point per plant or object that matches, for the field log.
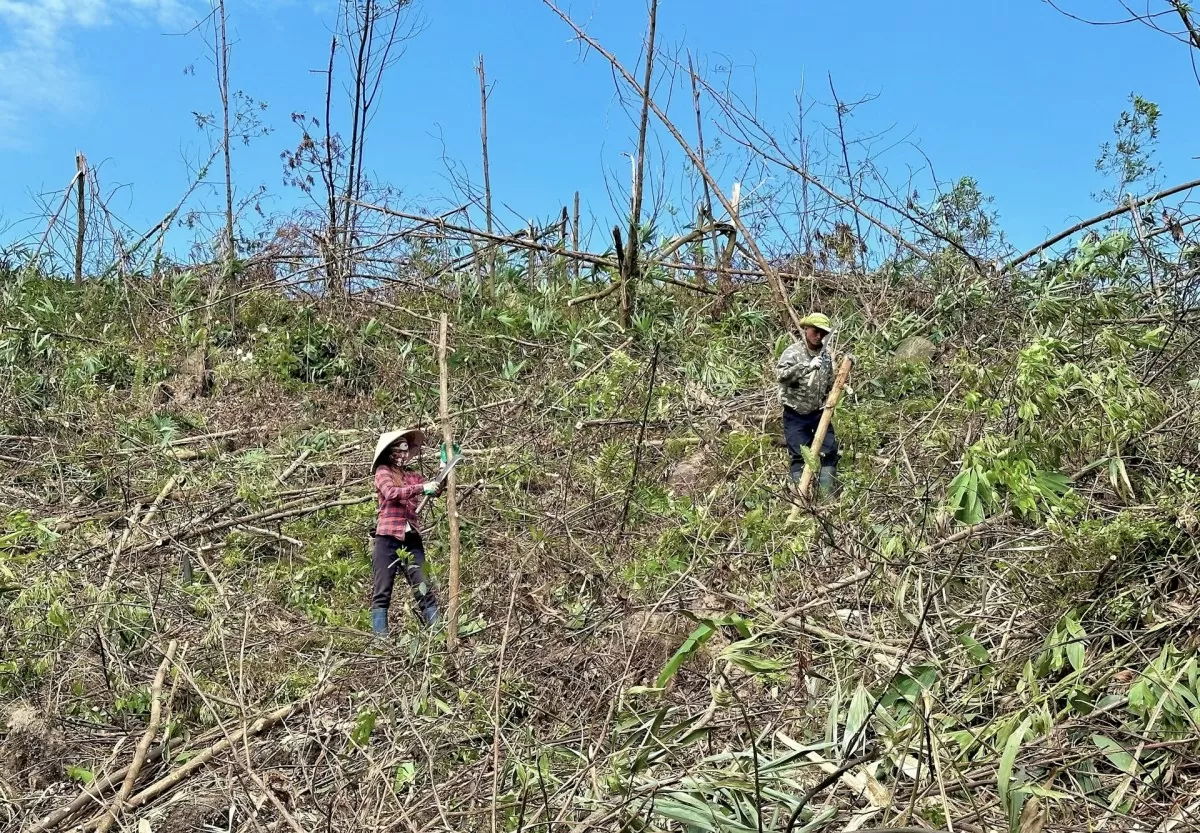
(390, 554)
(799, 431)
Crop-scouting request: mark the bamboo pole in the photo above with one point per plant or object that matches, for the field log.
(531, 278)
(451, 493)
(831, 402)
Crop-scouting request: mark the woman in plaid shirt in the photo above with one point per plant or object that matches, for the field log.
(397, 541)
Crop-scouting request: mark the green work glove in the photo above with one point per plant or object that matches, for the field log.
(432, 489)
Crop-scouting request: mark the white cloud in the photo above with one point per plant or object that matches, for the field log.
(39, 76)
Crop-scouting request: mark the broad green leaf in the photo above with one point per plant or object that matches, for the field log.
(1011, 748)
(1043, 792)
(741, 655)
(1052, 485)
(833, 721)
(81, 774)
(856, 715)
(974, 649)
(1139, 695)
(1115, 753)
(689, 647)
(1074, 652)
(405, 773)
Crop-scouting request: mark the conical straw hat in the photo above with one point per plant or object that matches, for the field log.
(416, 437)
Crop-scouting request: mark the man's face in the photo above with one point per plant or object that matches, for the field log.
(815, 337)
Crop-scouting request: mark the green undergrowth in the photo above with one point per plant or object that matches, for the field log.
(1038, 419)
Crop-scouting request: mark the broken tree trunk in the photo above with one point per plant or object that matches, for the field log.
(81, 222)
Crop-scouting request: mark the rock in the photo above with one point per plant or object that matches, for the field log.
(192, 813)
(32, 752)
(161, 393)
(192, 381)
(915, 349)
(688, 476)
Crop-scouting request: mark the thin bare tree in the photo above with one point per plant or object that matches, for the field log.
(631, 266)
(487, 175)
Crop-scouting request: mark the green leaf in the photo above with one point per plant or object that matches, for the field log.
(405, 774)
(1007, 760)
(1042, 792)
(741, 655)
(1053, 485)
(1075, 654)
(80, 774)
(1115, 753)
(1139, 695)
(690, 646)
(968, 495)
(472, 626)
(834, 719)
(976, 651)
(364, 724)
(856, 715)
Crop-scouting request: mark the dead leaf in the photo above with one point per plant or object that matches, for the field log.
(1033, 817)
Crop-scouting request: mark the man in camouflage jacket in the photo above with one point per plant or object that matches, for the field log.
(805, 375)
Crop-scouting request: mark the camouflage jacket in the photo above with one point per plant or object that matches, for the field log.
(805, 378)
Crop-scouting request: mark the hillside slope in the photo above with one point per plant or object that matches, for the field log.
(992, 625)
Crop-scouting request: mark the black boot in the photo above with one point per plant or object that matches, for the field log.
(828, 481)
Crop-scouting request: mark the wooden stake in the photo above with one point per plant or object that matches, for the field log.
(451, 493)
(32, 262)
(81, 223)
(823, 427)
(563, 222)
(706, 206)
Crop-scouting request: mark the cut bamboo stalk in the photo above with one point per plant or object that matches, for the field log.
(575, 234)
(451, 487)
(831, 402)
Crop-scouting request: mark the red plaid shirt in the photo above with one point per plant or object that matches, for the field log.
(397, 504)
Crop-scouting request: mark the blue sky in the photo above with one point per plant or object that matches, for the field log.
(1009, 92)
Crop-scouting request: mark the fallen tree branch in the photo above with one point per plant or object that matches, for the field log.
(276, 514)
(259, 726)
(143, 747)
(1099, 218)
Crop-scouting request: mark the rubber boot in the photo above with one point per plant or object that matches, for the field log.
(828, 481)
(379, 623)
(429, 614)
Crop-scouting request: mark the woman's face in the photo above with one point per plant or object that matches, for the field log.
(403, 452)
